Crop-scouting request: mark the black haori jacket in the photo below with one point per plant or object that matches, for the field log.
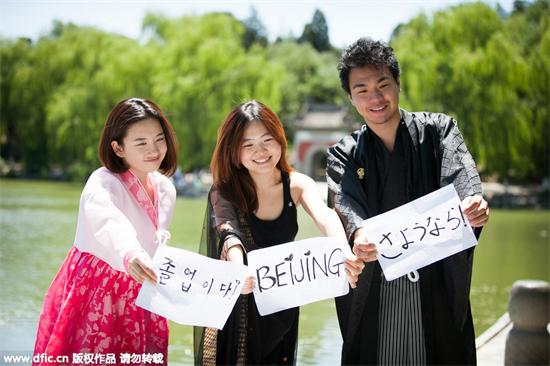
(436, 156)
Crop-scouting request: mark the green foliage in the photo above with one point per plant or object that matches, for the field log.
(254, 30)
(202, 74)
(316, 32)
(58, 92)
(488, 69)
(489, 72)
(12, 54)
(310, 76)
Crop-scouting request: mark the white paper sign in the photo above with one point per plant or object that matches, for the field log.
(297, 273)
(192, 289)
(420, 232)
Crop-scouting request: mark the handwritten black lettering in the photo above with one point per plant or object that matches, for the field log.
(292, 270)
(225, 288)
(335, 265)
(279, 274)
(166, 270)
(205, 285)
(449, 218)
(237, 283)
(406, 244)
(185, 288)
(437, 230)
(303, 272)
(322, 268)
(263, 277)
(307, 268)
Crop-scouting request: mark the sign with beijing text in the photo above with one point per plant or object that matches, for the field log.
(192, 289)
(297, 273)
(420, 232)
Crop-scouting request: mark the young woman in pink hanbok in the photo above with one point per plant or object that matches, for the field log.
(125, 210)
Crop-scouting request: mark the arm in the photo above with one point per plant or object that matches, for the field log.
(105, 230)
(458, 167)
(139, 265)
(166, 204)
(347, 195)
(345, 191)
(326, 219)
(226, 220)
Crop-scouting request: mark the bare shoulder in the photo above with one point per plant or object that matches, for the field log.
(300, 184)
(300, 181)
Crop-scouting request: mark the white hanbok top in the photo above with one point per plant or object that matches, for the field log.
(111, 223)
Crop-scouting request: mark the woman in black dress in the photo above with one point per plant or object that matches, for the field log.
(252, 205)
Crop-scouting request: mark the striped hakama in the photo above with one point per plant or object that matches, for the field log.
(401, 337)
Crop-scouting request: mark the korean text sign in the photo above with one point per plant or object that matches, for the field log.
(420, 232)
(192, 289)
(297, 273)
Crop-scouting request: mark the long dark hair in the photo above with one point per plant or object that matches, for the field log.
(230, 177)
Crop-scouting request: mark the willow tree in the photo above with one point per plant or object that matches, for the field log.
(202, 71)
(472, 63)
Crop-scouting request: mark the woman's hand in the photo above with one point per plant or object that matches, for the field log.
(248, 286)
(140, 267)
(354, 266)
(236, 254)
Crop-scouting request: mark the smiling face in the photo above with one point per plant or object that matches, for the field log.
(143, 148)
(260, 152)
(375, 95)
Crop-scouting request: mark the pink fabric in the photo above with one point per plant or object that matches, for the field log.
(134, 186)
(129, 256)
(90, 306)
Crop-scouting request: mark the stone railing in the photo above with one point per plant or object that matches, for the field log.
(528, 342)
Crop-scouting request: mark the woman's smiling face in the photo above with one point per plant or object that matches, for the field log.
(143, 148)
(260, 152)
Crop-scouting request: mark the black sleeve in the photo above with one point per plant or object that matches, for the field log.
(345, 191)
(457, 165)
(225, 218)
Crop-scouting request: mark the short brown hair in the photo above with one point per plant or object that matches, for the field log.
(126, 113)
(230, 177)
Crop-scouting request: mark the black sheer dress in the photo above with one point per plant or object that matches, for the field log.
(248, 337)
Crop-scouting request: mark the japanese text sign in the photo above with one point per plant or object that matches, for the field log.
(192, 289)
(420, 232)
(297, 273)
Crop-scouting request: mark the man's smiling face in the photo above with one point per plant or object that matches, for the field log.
(375, 94)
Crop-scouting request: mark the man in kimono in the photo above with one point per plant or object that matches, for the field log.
(398, 156)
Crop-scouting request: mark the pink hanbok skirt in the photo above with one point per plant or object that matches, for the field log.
(90, 309)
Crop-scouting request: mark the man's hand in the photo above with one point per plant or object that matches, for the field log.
(363, 248)
(476, 210)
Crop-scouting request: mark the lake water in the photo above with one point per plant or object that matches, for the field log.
(37, 225)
